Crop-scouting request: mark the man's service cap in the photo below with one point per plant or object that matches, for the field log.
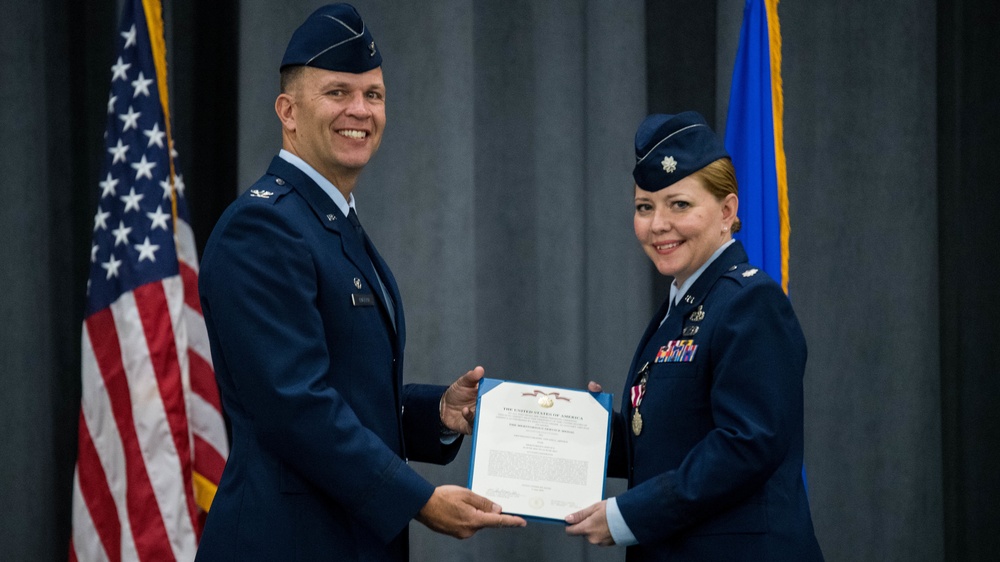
(668, 148)
(333, 37)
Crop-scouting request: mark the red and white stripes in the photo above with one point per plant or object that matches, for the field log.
(152, 437)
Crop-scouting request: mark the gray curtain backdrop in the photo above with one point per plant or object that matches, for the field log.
(501, 197)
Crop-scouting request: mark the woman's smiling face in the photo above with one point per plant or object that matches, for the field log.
(682, 225)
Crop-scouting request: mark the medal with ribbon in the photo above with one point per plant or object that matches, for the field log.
(637, 393)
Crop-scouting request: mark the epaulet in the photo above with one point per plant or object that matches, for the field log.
(267, 189)
(744, 274)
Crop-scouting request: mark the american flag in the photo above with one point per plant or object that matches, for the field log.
(152, 441)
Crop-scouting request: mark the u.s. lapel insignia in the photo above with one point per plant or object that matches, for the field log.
(689, 299)
(331, 218)
(698, 315)
(750, 272)
(357, 283)
(263, 194)
(690, 330)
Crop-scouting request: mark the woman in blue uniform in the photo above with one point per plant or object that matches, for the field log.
(710, 429)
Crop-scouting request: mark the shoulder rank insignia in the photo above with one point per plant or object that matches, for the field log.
(750, 272)
(263, 194)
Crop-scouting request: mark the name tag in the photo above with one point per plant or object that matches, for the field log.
(359, 299)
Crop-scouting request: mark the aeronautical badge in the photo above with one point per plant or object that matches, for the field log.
(750, 272)
(698, 315)
(263, 194)
(669, 164)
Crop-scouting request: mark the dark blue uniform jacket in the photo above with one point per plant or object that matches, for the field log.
(716, 471)
(310, 369)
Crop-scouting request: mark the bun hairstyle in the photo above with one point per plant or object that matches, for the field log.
(719, 178)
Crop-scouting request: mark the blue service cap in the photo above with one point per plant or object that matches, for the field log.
(333, 37)
(668, 148)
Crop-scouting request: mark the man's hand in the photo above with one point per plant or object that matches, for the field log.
(458, 512)
(458, 404)
(592, 524)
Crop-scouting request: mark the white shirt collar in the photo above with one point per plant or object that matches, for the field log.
(323, 183)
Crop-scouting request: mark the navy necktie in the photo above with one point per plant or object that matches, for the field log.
(353, 217)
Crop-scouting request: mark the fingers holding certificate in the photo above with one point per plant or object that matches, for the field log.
(539, 451)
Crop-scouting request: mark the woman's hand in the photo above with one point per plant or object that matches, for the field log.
(591, 522)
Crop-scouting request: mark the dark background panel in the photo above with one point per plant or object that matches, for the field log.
(968, 121)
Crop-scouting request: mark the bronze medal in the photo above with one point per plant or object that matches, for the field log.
(636, 422)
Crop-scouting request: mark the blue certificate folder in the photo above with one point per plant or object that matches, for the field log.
(536, 434)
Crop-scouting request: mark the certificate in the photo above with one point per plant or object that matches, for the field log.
(540, 452)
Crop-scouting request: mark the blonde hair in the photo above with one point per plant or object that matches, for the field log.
(719, 178)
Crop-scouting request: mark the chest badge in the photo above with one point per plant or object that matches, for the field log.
(698, 315)
(637, 392)
(357, 283)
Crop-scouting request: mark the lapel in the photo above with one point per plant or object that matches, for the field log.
(729, 259)
(651, 329)
(353, 246)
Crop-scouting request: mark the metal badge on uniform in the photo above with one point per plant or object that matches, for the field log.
(750, 272)
(698, 315)
(263, 194)
(689, 331)
(676, 351)
(357, 283)
(362, 299)
(637, 392)
(689, 299)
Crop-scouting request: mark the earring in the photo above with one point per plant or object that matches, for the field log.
(725, 229)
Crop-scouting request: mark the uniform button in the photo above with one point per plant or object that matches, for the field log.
(279, 181)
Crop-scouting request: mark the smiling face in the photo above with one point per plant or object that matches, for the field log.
(333, 120)
(681, 226)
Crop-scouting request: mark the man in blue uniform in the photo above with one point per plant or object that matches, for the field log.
(307, 333)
